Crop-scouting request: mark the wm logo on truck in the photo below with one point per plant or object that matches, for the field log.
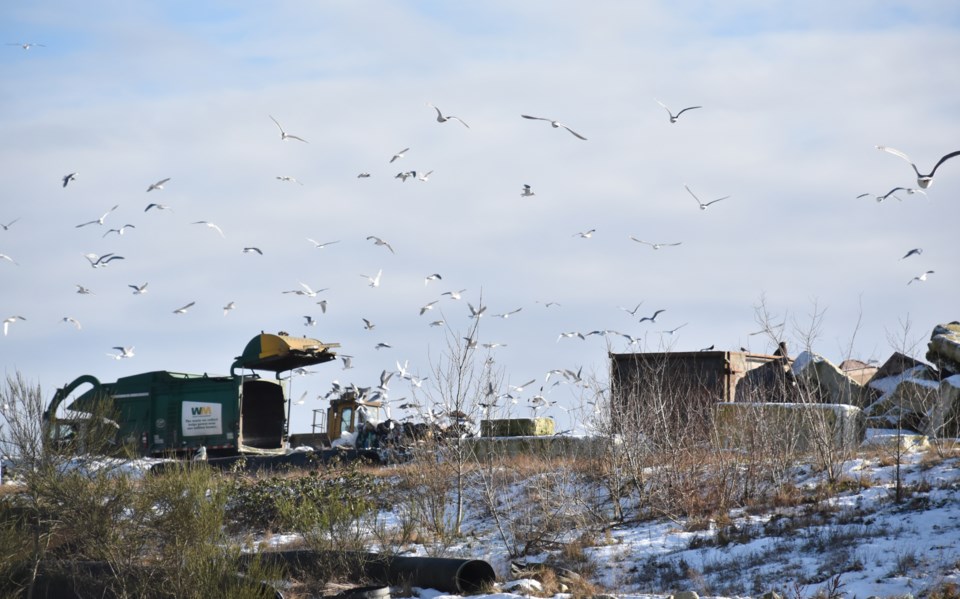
(201, 411)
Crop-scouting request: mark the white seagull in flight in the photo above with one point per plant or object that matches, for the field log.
(6, 227)
(921, 277)
(378, 241)
(674, 117)
(554, 124)
(9, 321)
(125, 352)
(211, 226)
(526, 192)
(703, 206)
(444, 119)
(158, 185)
(139, 289)
(400, 154)
(913, 252)
(655, 246)
(73, 321)
(319, 245)
(100, 220)
(924, 181)
(283, 134)
(374, 281)
(183, 309)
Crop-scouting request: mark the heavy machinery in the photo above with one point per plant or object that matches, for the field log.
(164, 413)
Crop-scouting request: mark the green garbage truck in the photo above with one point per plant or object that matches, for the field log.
(165, 413)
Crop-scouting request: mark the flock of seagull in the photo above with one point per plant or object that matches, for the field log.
(535, 403)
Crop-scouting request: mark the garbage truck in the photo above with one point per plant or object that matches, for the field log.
(164, 413)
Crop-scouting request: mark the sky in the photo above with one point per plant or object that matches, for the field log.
(793, 101)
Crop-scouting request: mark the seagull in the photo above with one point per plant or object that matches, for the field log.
(632, 312)
(382, 345)
(118, 231)
(289, 180)
(526, 192)
(302, 400)
(444, 119)
(475, 313)
(400, 154)
(309, 321)
(73, 321)
(101, 261)
(139, 290)
(879, 198)
(924, 181)
(674, 330)
(584, 234)
(921, 277)
(655, 246)
(367, 324)
(404, 175)
(453, 294)
(569, 335)
(708, 348)
(157, 206)
(6, 227)
(211, 226)
(506, 315)
(319, 245)
(427, 307)
(703, 206)
(555, 124)
(68, 178)
(674, 117)
(183, 309)
(83, 290)
(347, 362)
(228, 307)
(158, 185)
(8, 259)
(519, 388)
(437, 323)
(654, 317)
(284, 135)
(913, 252)
(424, 176)
(374, 281)
(306, 291)
(323, 306)
(9, 321)
(363, 175)
(250, 250)
(25, 45)
(892, 192)
(378, 241)
(100, 220)
(433, 277)
(125, 352)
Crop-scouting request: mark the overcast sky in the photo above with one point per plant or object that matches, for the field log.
(794, 97)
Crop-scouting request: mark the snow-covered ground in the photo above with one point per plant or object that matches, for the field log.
(876, 546)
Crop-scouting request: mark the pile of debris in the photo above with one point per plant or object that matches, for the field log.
(901, 393)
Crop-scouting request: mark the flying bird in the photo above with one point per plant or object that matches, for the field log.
(675, 329)
(25, 45)
(404, 175)
(655, 246)
(307, 291)
(654, 317)
(289, 180)
(585, 234)
(319, 245)
(378, 241)
(125, 352)
(526, 192)
(703, 206)
(382, 345)
(83, 290)
(228, 307)
(423, 176)
(674, 117)
(913, 252)
(924, 181)
(892, 192)
(211, 226)
(157, 206)
(444, 119)
(73, 321)
(367, 325)
(632, 312)
(400, 154)
(251, 250)
(506, 315)
(100, 220)
(283, 134)
(101, 261)
(476, 312)
(374, 281)
(139, 289)
(9, 321)
(6, 227)
(118, 231)
(454, 294)
(363, 176)
(555, 124)
(68, 178)
(8, 259)
(427, 307)
(323, 306)
(433, 277)
(921, 277)
(309, 321)
(183, 309)
(158, 185)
